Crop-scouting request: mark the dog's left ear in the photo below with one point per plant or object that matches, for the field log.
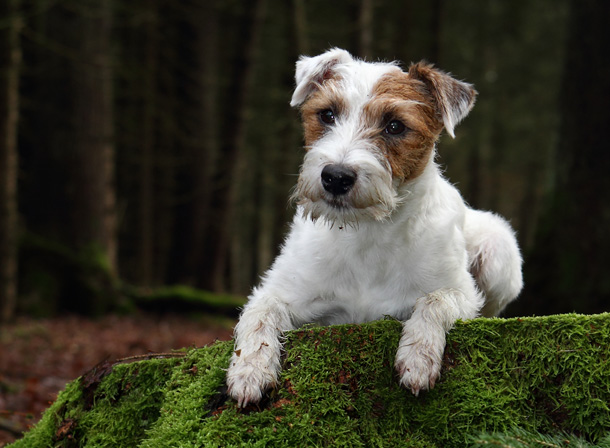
(453, 98)
(312, 72)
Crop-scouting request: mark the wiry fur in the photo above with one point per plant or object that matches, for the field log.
(400, 242)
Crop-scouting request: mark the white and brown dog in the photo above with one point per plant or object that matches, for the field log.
(378, 230)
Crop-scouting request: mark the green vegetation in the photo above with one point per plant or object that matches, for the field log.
(523, 439)
(186, 298)
(58, 278)
(505, 382)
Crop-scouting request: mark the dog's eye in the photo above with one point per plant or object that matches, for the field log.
(327, 116)
(395, 127)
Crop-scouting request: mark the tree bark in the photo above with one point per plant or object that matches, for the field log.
(205, 150)
(235, 125)
(300, 26)
(571, 253)
(365, 23)
(10, 61)
(92, 190)
(146, 175)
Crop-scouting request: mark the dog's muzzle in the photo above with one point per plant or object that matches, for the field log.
(338, 179)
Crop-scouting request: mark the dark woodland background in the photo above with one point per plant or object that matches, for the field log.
(146, 143)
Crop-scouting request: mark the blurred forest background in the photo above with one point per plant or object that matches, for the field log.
(146, 143)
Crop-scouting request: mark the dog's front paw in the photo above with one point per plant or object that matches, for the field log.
(249, 376)
(418, 365)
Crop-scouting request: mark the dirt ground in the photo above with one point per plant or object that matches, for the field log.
(38, 357)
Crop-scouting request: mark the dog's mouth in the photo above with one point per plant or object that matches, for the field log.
(343, 211)
(338, 203)
(368, 196)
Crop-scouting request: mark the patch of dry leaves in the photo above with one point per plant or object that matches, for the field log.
(38, 357)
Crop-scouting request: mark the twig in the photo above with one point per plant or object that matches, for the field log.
(151, 356)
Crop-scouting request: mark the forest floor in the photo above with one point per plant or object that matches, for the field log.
(38, 357)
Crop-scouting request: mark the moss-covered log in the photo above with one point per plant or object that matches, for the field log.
(545, 375)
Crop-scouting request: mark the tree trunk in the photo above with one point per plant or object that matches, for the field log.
(365, 23)
(267, 209)
(10, 60)
(146, 200)
(300, 26)
(205, 150)
(571, 254)
(436, 30)
(235, 125)
(91, 187)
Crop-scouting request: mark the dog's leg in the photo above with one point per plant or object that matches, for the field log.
(495, 260)
(255, 364)
(420, 351)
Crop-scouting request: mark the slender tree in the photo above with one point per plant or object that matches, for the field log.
(299, 15)
(10, 60)
(365, 25)
(235, 132)
(205, 148)
(146, 187)
(570, 262)
(91, 183)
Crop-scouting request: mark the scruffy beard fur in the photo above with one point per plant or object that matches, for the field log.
(373, 197)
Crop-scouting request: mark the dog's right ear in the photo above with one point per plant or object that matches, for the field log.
(312, 72)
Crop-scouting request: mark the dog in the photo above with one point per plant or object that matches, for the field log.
(378, 231)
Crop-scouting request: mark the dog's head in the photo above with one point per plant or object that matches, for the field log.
(369, 129)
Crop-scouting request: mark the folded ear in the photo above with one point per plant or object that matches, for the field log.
(454, 98)
(311, 72)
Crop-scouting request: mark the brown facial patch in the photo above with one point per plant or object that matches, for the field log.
(400, 97)
(324, 98)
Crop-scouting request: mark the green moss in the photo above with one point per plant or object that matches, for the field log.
(56, 277)
(546, 375)
(186, 298)
(111, 406)
(519, 438)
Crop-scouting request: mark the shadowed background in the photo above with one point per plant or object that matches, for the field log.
(148, 143)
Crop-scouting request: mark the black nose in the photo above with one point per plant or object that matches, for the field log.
(337, 179)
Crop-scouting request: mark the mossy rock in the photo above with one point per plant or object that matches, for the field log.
(543, 375)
